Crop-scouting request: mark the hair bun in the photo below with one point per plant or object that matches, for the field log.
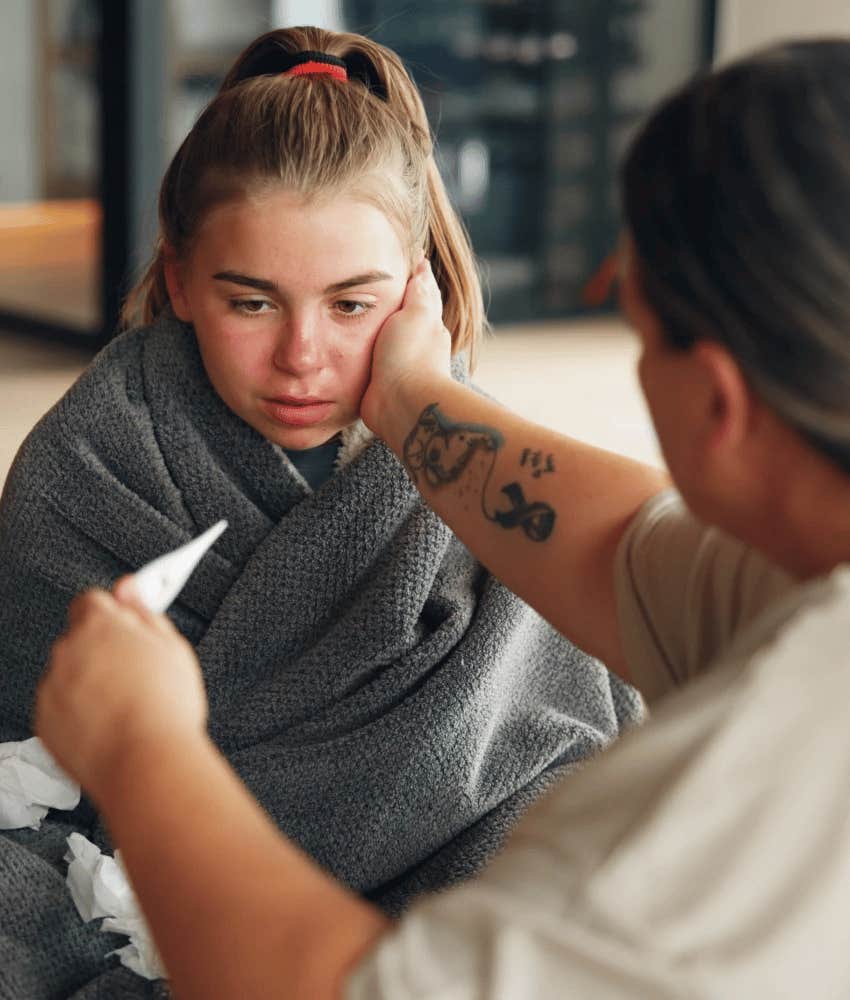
(316, 64)
(360, 67)
(270, 58)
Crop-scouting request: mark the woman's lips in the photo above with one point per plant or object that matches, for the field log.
(295, 412)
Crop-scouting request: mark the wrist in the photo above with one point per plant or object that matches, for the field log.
(123, 770)
(411, 393)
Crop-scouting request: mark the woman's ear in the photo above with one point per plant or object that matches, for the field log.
(732, 405)
(174, 282)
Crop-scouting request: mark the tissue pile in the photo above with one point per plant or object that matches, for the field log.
(31, 782)
(100, 888)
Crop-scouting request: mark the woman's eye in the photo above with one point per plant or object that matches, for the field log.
(251, 307)
(349, 307)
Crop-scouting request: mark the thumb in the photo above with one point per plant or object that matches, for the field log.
(416, 283)
(127, 595)
(125, 592)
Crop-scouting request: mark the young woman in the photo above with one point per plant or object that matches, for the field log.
(706, 854)
(392, 706)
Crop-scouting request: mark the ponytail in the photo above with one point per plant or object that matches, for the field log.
(455, 270)
(149, 296)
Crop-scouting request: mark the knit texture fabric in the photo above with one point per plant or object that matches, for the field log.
(393, 707)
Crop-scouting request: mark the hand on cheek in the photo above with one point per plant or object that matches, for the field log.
(117, 679)
(412, 343)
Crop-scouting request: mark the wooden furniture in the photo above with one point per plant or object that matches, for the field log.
(49, 261)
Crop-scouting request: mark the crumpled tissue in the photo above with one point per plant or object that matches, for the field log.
(100, 888)
(31, 782)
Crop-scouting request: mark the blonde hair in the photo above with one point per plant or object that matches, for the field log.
(315, 135)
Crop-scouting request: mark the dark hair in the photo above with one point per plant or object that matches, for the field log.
(315, 134)
(736, 194)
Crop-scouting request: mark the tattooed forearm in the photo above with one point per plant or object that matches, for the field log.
(536, 519)
(440, 450)
(536, 461)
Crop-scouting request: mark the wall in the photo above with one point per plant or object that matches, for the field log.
(748, 24)
(19, 160)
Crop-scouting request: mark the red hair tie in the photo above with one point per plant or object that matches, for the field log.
(316, 64)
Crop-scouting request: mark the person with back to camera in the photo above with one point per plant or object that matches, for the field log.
(705, 855)
(393, 707)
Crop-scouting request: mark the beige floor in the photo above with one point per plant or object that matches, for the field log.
(578, 378)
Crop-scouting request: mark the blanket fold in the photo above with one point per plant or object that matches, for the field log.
(393, 707)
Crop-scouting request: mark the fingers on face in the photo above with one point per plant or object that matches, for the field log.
(425, 285)
(433, 290)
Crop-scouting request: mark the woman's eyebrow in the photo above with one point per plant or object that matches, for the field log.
(359, 279)
(235, 278)
(264, 285)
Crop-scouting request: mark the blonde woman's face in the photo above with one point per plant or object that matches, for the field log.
(286, 298)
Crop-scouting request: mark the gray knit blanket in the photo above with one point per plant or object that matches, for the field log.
(392, 706)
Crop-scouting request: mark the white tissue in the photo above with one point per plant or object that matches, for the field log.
(31, 782)
(100, 888)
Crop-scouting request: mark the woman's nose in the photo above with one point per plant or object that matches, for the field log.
(298, 349)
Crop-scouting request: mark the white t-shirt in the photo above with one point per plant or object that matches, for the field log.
(704, 855)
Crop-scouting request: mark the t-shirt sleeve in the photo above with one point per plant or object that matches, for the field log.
(477, 948)
(684, 591)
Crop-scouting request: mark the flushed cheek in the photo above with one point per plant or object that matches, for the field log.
(353, 371)
(354, 353)
(237, 367)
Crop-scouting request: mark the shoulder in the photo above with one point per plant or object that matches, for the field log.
(801, 639)
(104, 399)
(113, 384)
(115, 369)
(686, 591)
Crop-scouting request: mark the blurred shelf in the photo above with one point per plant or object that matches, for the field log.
(49, 261)
(79, 56)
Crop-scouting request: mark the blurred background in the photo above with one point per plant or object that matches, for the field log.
(532, 103)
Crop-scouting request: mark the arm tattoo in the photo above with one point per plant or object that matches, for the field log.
(440, 450)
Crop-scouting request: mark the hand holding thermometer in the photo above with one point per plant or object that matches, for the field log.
(159, 582)
(30, 780)
(98, 884)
